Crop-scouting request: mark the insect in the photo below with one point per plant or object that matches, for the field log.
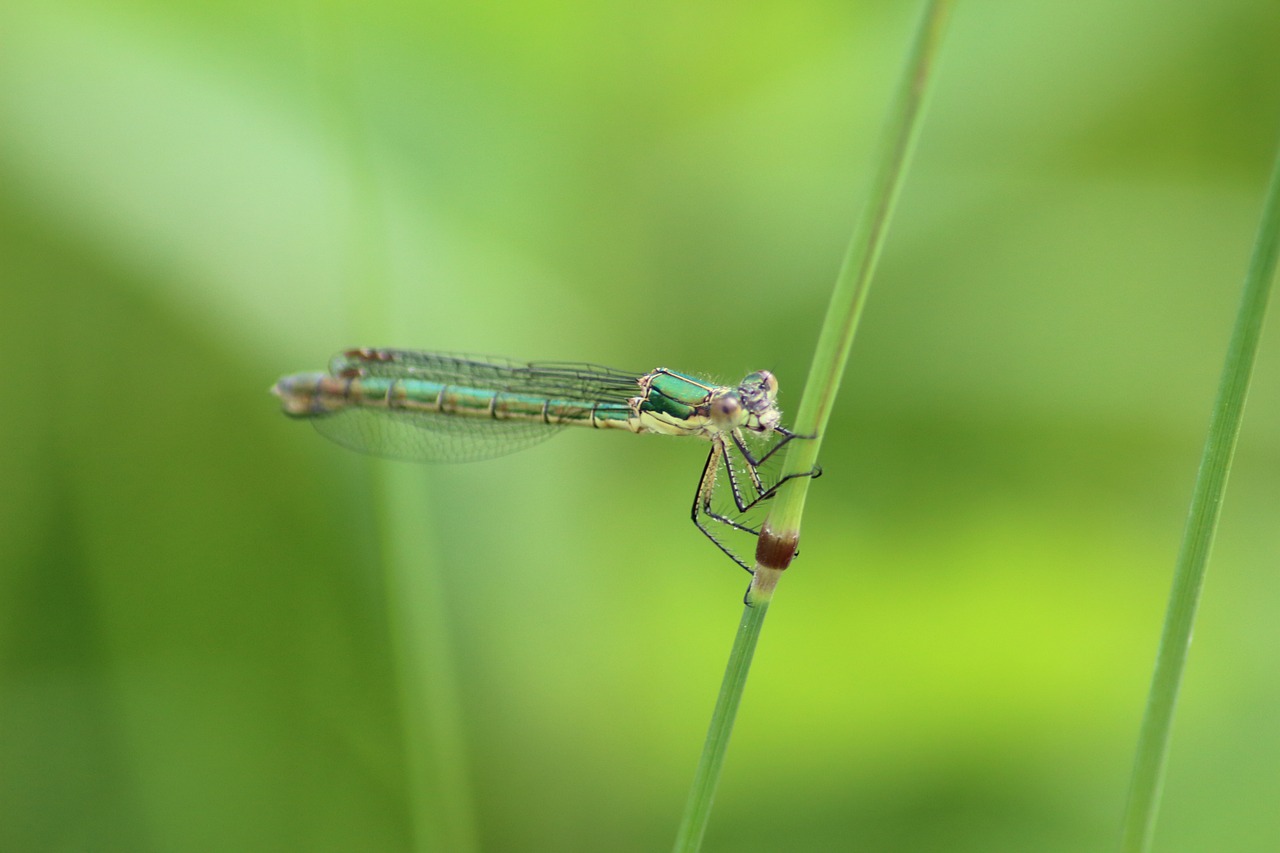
(439, 407)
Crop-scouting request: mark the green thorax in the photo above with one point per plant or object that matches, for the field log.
(675, 404)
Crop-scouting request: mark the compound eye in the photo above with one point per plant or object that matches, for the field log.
(761, 382)
(769, 382)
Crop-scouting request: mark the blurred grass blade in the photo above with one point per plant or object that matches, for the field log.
(431, 720)
(834, 343)
(1197, 540)
(437, 781)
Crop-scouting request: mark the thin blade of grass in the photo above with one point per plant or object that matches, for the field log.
(781, 529)
(1197, 540)
(441, 816)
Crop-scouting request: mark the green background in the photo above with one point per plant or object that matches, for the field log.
(220, 632)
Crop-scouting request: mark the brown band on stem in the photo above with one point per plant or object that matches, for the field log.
(774, 551)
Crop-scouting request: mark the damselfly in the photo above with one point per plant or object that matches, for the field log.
(437, 407)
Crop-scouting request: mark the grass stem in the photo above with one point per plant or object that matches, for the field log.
(1197, 540)
(781, 530)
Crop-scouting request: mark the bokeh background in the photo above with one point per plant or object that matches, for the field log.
(220, 632)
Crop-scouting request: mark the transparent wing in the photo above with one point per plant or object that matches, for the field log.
(421, 437)
(558, 379)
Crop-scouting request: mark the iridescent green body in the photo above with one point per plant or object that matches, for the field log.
(312, 395)
(438, 407)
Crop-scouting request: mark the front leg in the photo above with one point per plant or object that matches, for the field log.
(702, 502)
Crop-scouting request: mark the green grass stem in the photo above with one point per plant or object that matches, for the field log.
(698, 809)
(782, 527)
(849, 296)
(1197, 540)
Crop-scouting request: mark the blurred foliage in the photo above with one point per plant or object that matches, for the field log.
(200, 648)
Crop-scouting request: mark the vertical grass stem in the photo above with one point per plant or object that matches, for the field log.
(1197, 540)
(781, 529)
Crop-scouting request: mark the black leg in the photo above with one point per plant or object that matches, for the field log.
(722, 452)
(702, 503)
